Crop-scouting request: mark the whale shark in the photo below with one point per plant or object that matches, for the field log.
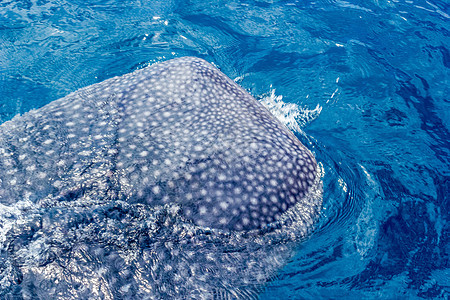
(171, 182)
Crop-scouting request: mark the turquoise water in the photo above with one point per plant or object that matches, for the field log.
(364, 84)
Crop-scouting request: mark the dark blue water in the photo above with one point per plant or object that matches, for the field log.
(364, 84)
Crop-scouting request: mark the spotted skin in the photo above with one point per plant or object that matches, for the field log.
(185, 157)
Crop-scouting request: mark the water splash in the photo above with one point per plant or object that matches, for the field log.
(290, 114)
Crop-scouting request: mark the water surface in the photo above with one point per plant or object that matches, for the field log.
(364, 84)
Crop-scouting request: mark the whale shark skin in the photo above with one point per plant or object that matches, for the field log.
(168, 182)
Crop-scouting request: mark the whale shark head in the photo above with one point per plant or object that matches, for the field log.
(211, 147)
(171, 170)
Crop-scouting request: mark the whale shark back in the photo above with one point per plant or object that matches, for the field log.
(178, 132)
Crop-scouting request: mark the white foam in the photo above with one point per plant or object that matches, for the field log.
(293, 116)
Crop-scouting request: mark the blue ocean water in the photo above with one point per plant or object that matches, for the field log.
(364, 84)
